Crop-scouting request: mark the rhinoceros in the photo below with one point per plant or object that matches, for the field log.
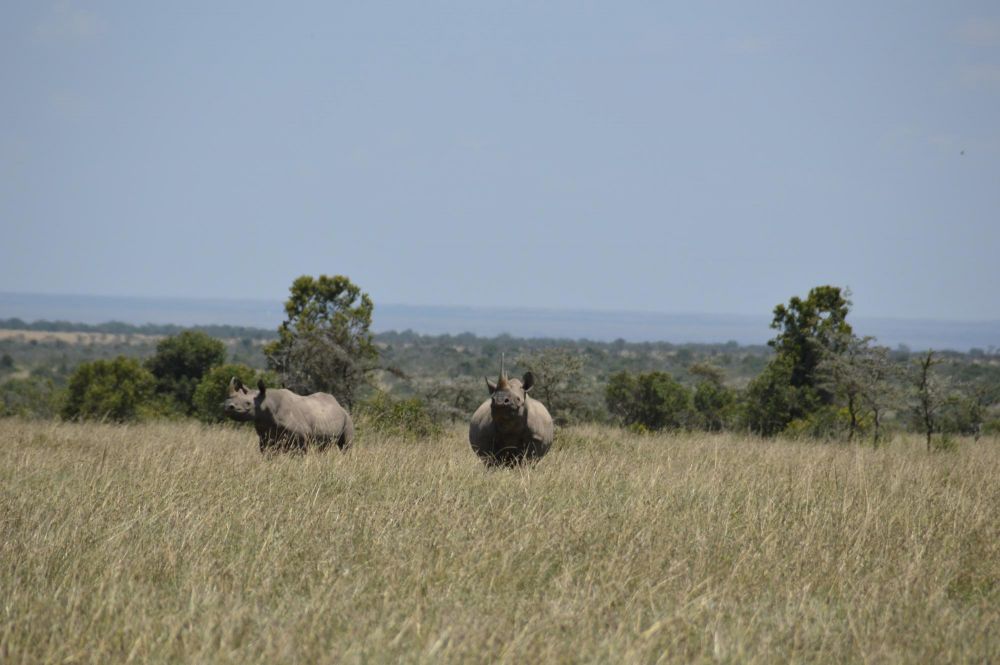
(286, 421)
(511, 427)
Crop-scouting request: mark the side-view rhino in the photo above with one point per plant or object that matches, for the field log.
(511, 427)
(286, 421)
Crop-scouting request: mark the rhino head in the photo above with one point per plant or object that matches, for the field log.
(242, 402)
(509, 396)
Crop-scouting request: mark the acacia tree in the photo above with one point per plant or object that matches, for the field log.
(325, 343)
(879, 386)
(930, 394)
(453, 398)
(558, 377)
(979, 397)
(864, 376)
(841, 372)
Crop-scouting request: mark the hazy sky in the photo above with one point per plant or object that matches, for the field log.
(643, 156)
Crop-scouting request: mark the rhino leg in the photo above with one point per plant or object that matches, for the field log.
(346, 437)
(322, 442)
(274, 440)
(513, 455)
(268, 443)
(536, 450)
(508, 457)
(294, 443)
(345, 440)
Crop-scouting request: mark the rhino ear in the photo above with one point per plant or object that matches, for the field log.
(261, 387)
(492, 386)
(234, 385)
(528, 381)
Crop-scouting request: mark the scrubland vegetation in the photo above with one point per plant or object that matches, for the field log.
(179, 542)
(816, 379)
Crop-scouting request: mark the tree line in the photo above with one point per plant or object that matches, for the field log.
(816, 378)
(823, 381)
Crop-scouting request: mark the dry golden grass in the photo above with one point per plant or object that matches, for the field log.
(85, 338)
(179, 543)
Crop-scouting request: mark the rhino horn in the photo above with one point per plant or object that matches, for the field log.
(503, 373)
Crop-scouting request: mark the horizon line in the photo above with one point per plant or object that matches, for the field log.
(510, 308)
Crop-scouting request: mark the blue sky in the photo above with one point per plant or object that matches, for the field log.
(711, 158)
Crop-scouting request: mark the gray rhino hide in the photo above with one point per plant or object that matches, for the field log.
(527, 434)
(285, 420)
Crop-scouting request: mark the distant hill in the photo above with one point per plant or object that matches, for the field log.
(488, 321)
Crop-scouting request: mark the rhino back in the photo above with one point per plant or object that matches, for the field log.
(318, 415)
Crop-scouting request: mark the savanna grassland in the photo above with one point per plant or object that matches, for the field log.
(178, 542)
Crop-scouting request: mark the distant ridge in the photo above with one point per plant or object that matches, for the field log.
(490, 321)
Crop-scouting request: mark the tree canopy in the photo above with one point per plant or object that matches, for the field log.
(325, 343)
(809, 327)
(791, 387)
(180, 363)
(650, 400)
(117, 390)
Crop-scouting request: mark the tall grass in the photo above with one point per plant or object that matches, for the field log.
(180, 543)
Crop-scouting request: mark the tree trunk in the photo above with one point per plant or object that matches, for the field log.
(854, 418)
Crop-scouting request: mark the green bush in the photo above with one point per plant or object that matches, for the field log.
(213, 389)
(117, 390)
(654, 400)
(944, 442)
(829, 422)
(991, 427)
(31, 397)
(180, 363)
(714, 406)
(405, 417)
(771, 399)
(960, 415)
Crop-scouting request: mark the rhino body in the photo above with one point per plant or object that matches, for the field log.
(511, 427)
(287, 421)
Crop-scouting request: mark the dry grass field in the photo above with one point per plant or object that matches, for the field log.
(180, 543)
(85, 338)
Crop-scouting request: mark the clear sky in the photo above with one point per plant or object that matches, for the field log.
(599, 155)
